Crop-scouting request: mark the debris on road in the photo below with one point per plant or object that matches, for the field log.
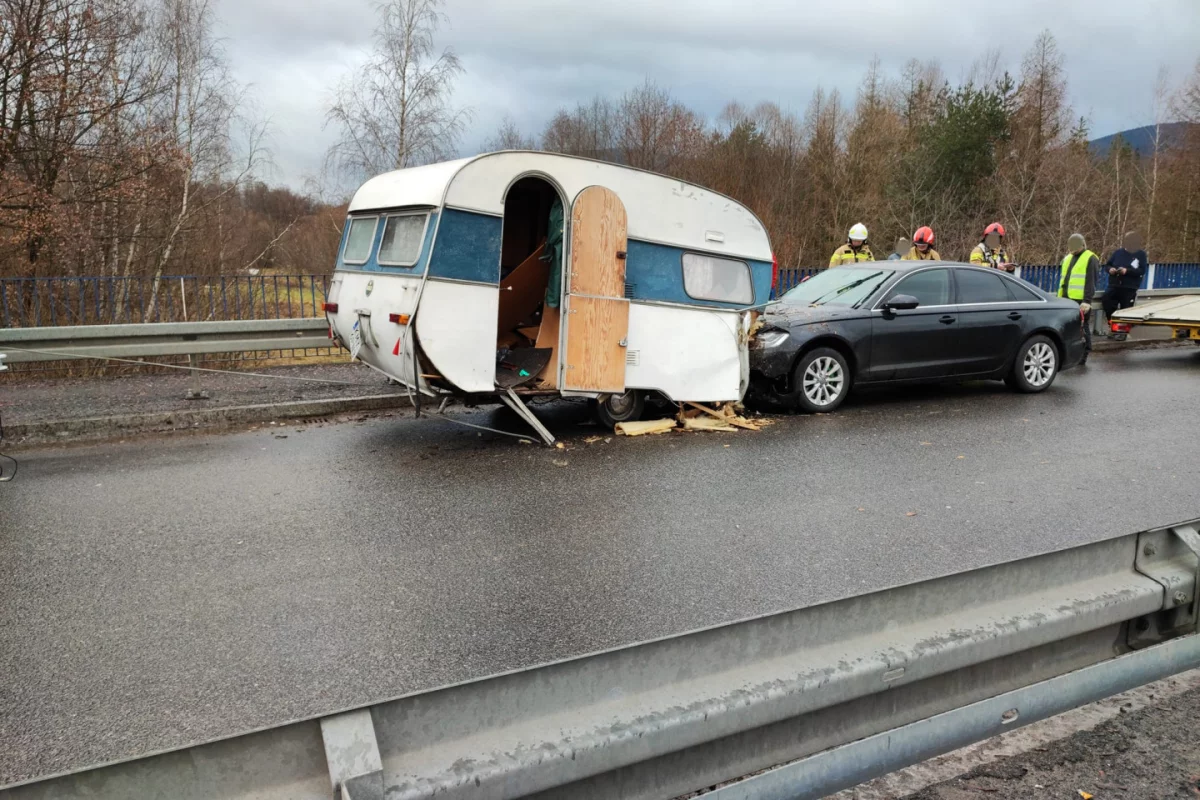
(696, 417)
(640, 427)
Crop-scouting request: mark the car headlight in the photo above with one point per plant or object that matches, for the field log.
(769, 339)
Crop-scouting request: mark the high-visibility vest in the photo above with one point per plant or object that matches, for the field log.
(1078, 275)
(846, 255)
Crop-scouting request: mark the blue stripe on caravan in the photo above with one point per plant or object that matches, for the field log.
(655, 272)
(467, 247)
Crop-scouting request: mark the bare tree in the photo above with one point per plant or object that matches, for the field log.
(589, 130)
(656, 132)
(509, 137)
(200, 111)
(395, 111)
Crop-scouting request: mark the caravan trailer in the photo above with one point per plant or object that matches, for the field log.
(516, 274)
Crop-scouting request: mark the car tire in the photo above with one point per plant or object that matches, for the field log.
(1035, 366)
(614, 408)
(821, 380)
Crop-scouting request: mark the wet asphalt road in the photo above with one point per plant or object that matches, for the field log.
(161, 592)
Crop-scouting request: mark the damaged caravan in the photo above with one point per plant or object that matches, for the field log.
(520, 274)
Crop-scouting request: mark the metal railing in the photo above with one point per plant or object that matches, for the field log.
(67, 343)
(838, 693)
(51, 302)
(1046, 277)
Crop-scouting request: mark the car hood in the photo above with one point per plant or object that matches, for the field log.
(785, 316)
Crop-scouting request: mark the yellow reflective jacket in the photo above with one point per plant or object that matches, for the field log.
(916, 255)
(981, 256)
(846, 255)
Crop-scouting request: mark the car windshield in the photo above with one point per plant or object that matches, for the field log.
(838, 286)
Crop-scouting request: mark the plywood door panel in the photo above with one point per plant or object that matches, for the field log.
(596, 329)
(595, 311)
(597, 244)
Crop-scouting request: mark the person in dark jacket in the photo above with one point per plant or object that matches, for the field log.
(1126, 267)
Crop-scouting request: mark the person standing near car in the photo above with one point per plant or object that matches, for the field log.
(922, 249)
(902, 247)
(1126, 268)
(854, 250)
(1077, 282)
(991, 252)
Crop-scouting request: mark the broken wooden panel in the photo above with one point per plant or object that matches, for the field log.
(547, 337)
(522, 291)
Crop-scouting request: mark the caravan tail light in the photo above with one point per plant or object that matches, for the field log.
(1121, 327)
(399, 319)
(330, 308)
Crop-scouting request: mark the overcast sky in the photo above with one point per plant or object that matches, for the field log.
(527, 58)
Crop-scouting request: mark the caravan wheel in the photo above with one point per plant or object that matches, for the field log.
(615, 408)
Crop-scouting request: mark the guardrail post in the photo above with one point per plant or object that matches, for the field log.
(352, 752)
(195, 392)
(1150, 276)
(1171, 557)
(3, 366)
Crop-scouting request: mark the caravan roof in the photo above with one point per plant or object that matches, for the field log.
(659, 209)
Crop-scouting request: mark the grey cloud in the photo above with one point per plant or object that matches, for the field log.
(525, 58)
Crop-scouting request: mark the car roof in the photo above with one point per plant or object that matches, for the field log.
(909, 266)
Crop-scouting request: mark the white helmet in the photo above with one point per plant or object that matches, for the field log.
(859, 232)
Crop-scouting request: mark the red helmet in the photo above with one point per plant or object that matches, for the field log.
(924, 235)
(995, 227)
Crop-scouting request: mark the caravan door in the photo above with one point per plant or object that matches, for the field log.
(596, 312)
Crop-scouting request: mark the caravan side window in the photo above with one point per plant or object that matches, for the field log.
(402, 238)
(713, 278)
(359, 240)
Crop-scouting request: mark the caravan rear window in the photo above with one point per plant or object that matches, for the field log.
(721, 279)
(359, 240)
(402, 238)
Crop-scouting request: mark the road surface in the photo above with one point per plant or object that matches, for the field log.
(161, 592)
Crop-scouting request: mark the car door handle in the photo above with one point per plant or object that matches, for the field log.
(1014, 315)
(947, 319)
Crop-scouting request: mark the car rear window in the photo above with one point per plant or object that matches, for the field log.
(1022, 293)
(975, 286)
(931, 287)
(359, 239)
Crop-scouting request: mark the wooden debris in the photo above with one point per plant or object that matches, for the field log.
(727, 414)
(639, 428)
(707, 424)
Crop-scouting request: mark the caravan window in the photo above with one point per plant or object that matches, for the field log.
(402, 238)
(720, 279)
(359, 240)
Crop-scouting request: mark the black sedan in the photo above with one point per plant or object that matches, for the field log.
(892, 322)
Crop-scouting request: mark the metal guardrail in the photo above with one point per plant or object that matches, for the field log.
(836, 693)
(162, 339)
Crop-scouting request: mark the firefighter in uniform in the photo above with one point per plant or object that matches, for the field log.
(922, 249)
(991, 252)
(854, 250)
(1078, 283)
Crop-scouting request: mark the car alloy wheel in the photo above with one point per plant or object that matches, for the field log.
(823, 381)
(1039, 364)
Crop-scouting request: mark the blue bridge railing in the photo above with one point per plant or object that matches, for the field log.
(41, 302)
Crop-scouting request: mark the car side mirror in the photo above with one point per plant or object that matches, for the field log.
(901, 302)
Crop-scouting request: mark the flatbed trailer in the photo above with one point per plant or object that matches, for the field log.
(1180, 314)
